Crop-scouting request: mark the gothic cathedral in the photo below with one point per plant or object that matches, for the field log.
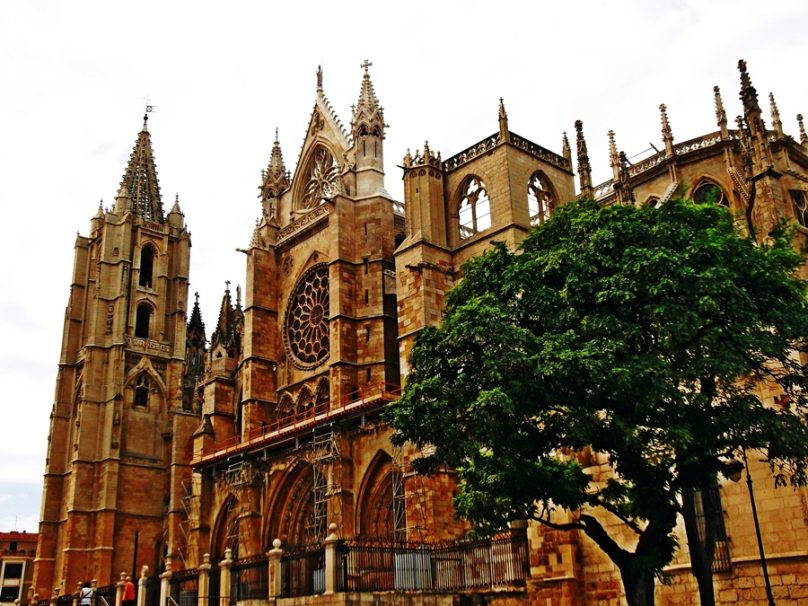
(177, 452)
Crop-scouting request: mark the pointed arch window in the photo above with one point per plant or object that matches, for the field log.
(474, 211)
(709, 192)
(142, 320)
(800, 201)
(142, 391)
(146, 266)
(541, 200)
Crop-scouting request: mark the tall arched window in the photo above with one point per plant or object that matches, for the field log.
(541, 200)
(146, 266)
(800, 200)
(474, 210)
(707, 191)
(142, 319)
(142, 391)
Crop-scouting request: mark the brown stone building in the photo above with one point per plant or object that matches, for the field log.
(170, 451)
(17, 550)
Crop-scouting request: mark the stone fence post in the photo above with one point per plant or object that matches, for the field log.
(119, 590)
(165, 582)
(224, 580)
(141, 583)
(77, 595)
(274, 562)
(331, 564)
(203, 593)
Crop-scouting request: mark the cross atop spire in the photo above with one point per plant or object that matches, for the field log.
(368, 115)
(365, 65)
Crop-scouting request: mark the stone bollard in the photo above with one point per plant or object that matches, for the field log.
(119, 589)
(224, 580)
(141, 584)
(274, 562)
(203, 591)
(331, 564)
(165, 581)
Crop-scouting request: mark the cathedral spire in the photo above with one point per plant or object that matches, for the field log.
(367, 132)
(614, 157)
(139, 182)
(584, 168)
(667, 132)
(776, 122)
(720, 114)
(275, 179)
(368, 116)
(565, 147)
(504, 133)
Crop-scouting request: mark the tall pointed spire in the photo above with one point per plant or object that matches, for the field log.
(803, 134)
(614, 158)
(776, 122)
(275, 179)
(720, 114)
(504, 133)
(565, 147)
(228, 327)
(368, 114)
(754, 120)
(140, 181)
(584, 168)
(667, 132)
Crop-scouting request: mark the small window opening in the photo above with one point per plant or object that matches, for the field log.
(540, 199)
(367, 296)
(475, 208)
(146, 266)
(142, 391)
(142, 319)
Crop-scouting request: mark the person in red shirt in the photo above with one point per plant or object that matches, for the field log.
(128, 592)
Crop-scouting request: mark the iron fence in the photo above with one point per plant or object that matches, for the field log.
(250, 578)
(184, 587)
(64, 600)
(105, 596)
(215, 584)
(303, 572)
(496, 562)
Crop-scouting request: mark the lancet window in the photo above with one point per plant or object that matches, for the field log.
(142, 391)
(146, 266)
(800, 201)
(541, 201)
(474, 211)
(142, 320)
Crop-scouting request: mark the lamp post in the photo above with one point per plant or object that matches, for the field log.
(733, 469)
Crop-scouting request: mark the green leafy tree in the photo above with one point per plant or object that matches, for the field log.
(642, 333)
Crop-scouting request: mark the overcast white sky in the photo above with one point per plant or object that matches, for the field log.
(74, 78)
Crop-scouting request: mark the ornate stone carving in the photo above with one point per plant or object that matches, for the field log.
(323, 183)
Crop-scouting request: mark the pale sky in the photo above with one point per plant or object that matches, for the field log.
(75, 78)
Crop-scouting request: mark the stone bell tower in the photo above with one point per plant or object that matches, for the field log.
(120, 428)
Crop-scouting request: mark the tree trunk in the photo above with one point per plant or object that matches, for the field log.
(701, 546)
(638, 584)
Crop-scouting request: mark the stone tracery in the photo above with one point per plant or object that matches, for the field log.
(322, 184)
(306, 336)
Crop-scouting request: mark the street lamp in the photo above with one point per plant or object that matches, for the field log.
(732, 470)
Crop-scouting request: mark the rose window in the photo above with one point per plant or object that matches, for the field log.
(322, 183)
(306, 334)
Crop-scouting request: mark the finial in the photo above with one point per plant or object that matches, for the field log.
(584, 168)
(504, 134)
(365, 65)
(276, 135)
(227, 285)
(177, 198)
(196, 298)
(614, 158)
(667, 133)
(748, 93)
(776, 122)
(803, 134)
(565, 147)
(319, 78)
(720, 114)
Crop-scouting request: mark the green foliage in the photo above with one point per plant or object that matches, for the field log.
(641, 332)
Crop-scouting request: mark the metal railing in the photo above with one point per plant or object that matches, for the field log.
(250, 578)
(496, 562)
(303, 572)
(183, 587)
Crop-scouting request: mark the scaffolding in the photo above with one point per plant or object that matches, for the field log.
(190, 510)
(412, 527)
(326, 464)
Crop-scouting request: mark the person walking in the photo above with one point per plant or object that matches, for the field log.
(128, 592)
